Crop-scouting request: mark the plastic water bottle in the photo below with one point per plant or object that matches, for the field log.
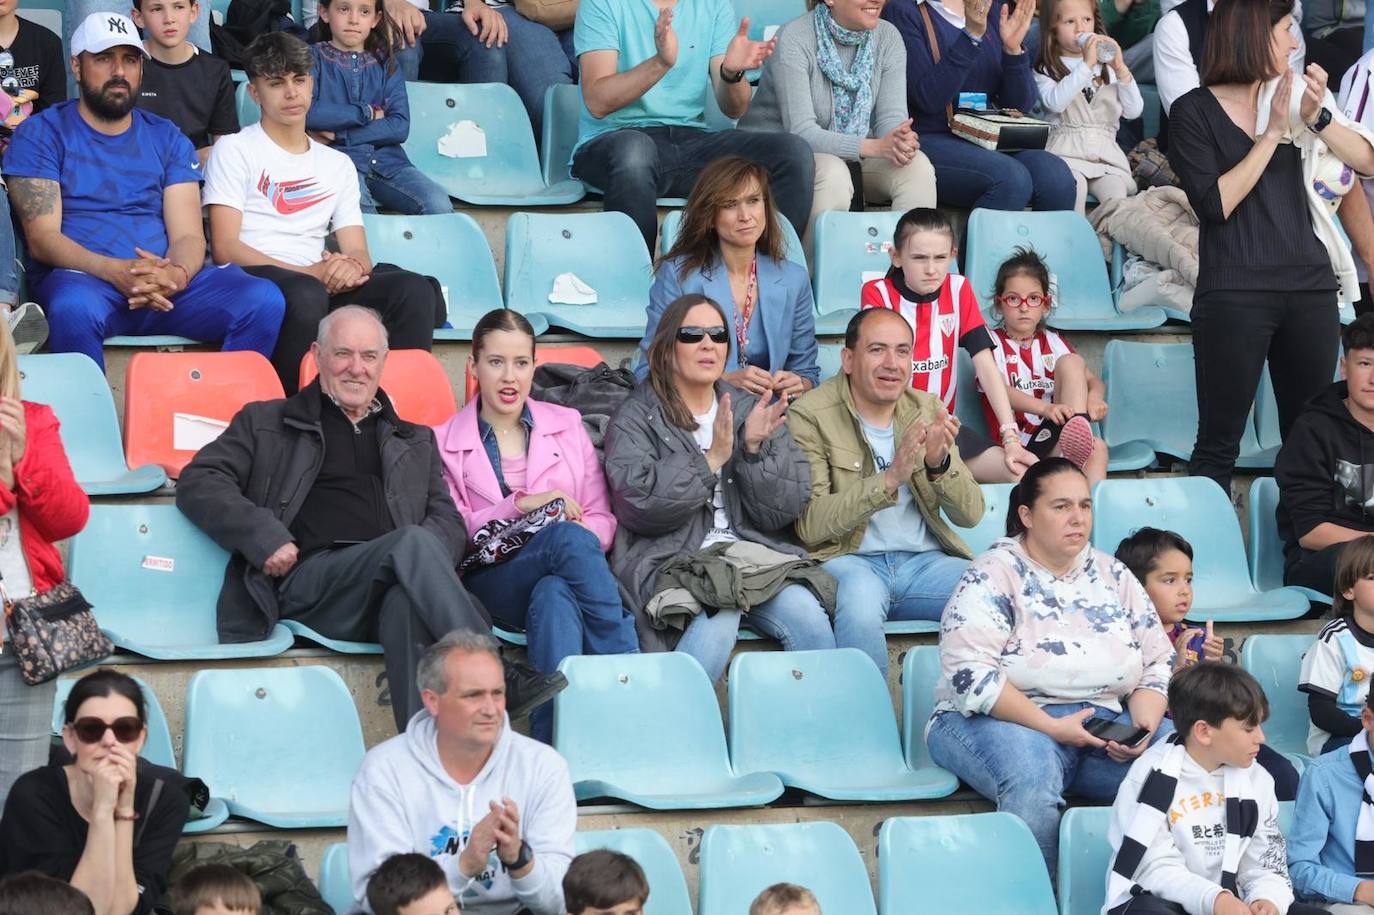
(1105, 52)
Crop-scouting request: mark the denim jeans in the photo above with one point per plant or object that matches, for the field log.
(409, 191)
(455, 55)
(793, 616)
(25, 722)
(544, 58)
(9, 266)
(966, 175)
(1025, 771)
(876, 587)
(560, 590)
(633, 167)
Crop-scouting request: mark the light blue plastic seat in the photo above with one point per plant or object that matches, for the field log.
(1073, 253)
(451, 248)
(295, 743)
(154, 580)
(792, 244)
(920, 673)
(1153, 108)
(78, 393)
(993, 523)
(508, 175)
(335, 885)
(47, 13)
(941, 864)
(343, 646)
(1152, 392)
(739, 862)
(668, 888)
(248, 110)
(646, 728)
(1085, 855)
(1198, 510)
(823, 722)
(828, 359)
(766, 16)
(1276, 662)
(541, 246)
(850, 250)
(1266, 550)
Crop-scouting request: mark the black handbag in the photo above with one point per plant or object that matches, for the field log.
(53, 632)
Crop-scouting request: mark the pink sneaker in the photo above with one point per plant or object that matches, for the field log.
(1076, 441)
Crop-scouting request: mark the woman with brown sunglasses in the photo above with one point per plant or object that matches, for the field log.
(107, 822)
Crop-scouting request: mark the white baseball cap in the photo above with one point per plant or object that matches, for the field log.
(101, 31)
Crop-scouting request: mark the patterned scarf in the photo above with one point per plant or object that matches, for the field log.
(852, 89)
(1364, 826)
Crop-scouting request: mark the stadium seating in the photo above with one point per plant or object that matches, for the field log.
(1198, 510)
(766, 16)
(942, 864)
(47, 13)
(414, 380)
(822, 721)
(739, 862)
(850, 249)
(335, 884)
(1266, 550)
(1152, 392)
(284, 720)
(540, 247)
(646, 728)
(248, 111)
(792, 244)
(571, 354)
(451, 248)
(1276, 660)
(668, 888)
(1084, 858)
(499, 169)
(994, 521)
(78, 393)
(920, 673)
(1070, 247)
(154, 579)
(167, 395)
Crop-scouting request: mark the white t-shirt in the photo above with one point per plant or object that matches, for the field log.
(290, 202)
(13, 566)
(1327, 671)
(721, 531)
(899, 528)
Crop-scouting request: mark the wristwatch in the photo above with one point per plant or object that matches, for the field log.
(934, 473)
(730, 79)
(1322, 120)
(523, 859)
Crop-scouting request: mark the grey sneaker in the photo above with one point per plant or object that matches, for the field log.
(28, 326)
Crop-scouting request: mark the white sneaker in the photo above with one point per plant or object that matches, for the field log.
(28, 326)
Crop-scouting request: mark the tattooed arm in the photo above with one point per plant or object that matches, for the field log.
(38, 204)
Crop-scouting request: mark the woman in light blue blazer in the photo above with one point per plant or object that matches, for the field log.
(730, 249)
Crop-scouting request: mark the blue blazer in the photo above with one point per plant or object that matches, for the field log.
(785, 306)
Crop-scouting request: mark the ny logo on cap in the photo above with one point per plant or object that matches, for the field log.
(116, 24)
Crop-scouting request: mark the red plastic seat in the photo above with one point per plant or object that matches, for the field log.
(572, 354)
(202, 386)
(414, 380)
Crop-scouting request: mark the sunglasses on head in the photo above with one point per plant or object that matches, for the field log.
(92, 730)
(692, 333)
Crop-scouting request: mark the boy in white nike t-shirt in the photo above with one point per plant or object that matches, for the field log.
(275, 194)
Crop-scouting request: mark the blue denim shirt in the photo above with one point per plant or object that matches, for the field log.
(488, 434)
(347, 85)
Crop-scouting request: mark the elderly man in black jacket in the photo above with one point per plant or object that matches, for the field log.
(336, 514)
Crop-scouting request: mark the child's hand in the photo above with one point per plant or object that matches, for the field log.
(1097, 409)
(1056, 412)
(1228, 904)
(1214, 646)
(1090, 50)
(1263, 907)
(1181, 647)
(1017, 459)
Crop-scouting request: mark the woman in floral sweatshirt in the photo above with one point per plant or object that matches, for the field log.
(1043, 634)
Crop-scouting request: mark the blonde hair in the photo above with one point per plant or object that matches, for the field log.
(780, 897)
(9, 364)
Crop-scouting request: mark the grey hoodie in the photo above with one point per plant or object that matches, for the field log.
(404, 801)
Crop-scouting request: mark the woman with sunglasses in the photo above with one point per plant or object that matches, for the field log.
(693, 461)
(40, 504)
(107, 822)
(731, 250)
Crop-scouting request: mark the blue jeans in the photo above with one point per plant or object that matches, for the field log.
(409, 191)
(560, 590)
(634, 166)
(966, 175)
(793, 616)
(876, 587)
(222, 305)
(1025, 771)
(545, 59)
(455, 55)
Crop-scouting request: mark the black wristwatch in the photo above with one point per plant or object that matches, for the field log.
(934, 473)
(523, 859)
(730, 79)
(1320, 123)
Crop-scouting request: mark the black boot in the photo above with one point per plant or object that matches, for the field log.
(527, 688)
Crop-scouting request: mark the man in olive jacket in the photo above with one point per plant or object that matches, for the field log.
(335, 513)
(883, 465)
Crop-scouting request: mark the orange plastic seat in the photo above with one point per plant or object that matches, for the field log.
(573, 354)
(415, 382)
(179, 399)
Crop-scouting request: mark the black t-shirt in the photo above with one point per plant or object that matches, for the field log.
(38, 77)
(197, 96)
(42, 831)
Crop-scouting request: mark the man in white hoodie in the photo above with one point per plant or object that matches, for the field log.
(493, 808)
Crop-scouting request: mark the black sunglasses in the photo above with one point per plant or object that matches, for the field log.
(692, 333)
(92, 730)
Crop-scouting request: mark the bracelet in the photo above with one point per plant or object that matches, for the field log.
(730, 79)
(125, 817)
(186, 274)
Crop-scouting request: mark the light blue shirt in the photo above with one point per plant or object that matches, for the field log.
(704, 29)
(1321, 844)
(899, 528)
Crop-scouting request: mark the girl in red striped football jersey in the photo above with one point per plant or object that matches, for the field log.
(1050, 387)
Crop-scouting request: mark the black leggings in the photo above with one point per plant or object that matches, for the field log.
(1233, 334)
(1146, 904)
